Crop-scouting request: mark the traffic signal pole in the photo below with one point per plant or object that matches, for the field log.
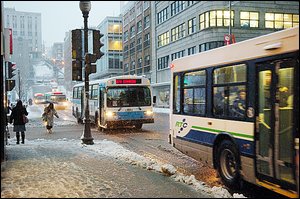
(86, 136)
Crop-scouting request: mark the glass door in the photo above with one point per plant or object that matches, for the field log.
(274, 124)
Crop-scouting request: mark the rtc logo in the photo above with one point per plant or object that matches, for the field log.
(182, 125)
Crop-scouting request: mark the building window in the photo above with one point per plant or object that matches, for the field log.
(139, 27)
(132, 31)
(146, 5)
(126, 52)
(147, 60)
(163, 62)
(162, 15)
(192, 25)
(215, 18)
(7, 22)
(280, 21)
(147, 40)
(249, 19)
(114, 61)
(189, 3)
(132, 67)
(126, 67)
(146, 22)
(192, 50)
(114, 28)
(177, 55)
(210, 45)
(164, 39)
(178, 32)
(140, 62)
(114, 45)
(132, 48)
(139, 44)
(177, 7)
(139, 10)
(126, 35)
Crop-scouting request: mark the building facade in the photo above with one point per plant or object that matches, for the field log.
(111, 62)
(26, 25)
(184, 28)
(137, 37)
(27, 45)
(68, 62)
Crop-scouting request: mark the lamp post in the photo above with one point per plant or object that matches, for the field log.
(229, 30)
(85, 7)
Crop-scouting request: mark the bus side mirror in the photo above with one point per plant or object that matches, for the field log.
(154, 99)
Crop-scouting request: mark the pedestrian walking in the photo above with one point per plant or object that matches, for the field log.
(48, 116)
(18, 117)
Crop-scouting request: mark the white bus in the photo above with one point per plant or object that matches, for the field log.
(58, 98)
(237, 107)
(116, 102)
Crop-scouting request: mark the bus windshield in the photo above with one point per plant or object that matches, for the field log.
(58, 98)
(128, 96)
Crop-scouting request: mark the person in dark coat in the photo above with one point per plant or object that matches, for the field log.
(17, 117)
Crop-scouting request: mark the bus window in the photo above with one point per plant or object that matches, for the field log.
(194, 92)
(176, 100)
(219, 101)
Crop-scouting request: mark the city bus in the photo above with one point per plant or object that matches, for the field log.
(39, 98)
(122, 101)
(58, 98)
(237, 108)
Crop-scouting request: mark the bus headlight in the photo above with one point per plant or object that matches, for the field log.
(149, 112)
(110, 114)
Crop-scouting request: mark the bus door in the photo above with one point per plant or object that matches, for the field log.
(275, 132)
(101, 105)
(81, 90)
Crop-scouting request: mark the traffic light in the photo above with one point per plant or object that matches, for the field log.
(11, 67)
(92, 68)
(97, 44)
(10, 84)
(76, 70)
(77, 44)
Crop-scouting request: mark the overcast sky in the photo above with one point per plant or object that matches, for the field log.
(59, 17)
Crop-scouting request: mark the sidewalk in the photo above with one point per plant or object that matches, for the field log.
(59, 166)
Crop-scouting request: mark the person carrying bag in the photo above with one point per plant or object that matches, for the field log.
(18, 116)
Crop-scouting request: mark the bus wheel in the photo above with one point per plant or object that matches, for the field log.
(139, 125)
(229, 165)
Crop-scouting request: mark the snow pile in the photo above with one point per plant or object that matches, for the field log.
(115, 150)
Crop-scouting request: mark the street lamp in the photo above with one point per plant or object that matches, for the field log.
(85, 7)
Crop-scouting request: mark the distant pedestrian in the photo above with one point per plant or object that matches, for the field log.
(18, 117)
(48, 116)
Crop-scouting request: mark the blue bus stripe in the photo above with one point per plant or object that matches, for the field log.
(246, 147)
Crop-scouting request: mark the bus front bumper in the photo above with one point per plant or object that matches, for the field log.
(113, 124)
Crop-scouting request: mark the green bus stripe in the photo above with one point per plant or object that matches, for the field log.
(219, 131)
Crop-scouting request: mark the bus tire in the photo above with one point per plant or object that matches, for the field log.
(228, 165)
(138, 126)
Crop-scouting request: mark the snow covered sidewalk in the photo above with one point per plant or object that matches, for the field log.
(66, 168)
